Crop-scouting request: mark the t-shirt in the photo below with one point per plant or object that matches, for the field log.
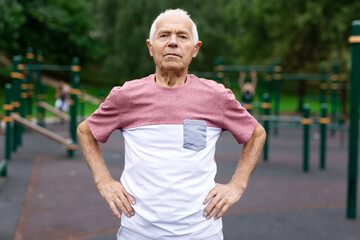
(170, 136)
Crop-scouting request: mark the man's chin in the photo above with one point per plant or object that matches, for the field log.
(173, 67)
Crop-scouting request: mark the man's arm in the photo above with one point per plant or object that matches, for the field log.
(254, 78)
(223, 196)
(241, 79)
(112, 191)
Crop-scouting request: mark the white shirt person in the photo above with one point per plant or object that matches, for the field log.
(171, 121)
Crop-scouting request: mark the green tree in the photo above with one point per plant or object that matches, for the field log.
(111, 34)
(126, 25)
(60, 28)
(302, 33)
(11, 19)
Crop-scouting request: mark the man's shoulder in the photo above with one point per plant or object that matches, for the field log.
(130, 88)
(208, 84)
(133, 84)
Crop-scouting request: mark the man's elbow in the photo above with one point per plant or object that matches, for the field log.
(82, 129)
(260, 133)
(262, 130)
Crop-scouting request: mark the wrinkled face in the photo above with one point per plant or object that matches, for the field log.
(173, 45)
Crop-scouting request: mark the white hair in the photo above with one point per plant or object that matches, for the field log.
(169, 12)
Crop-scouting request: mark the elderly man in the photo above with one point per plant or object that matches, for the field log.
(171, 121)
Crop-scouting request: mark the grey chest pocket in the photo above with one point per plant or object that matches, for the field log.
(194, 134)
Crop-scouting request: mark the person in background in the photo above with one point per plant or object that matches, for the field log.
(62, 96)
(247, 88)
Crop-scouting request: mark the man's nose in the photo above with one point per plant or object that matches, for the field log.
(173, 41)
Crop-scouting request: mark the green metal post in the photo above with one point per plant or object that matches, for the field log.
(101, 95)
(219, 67)
(269, 78)
(75, 79)
(3, 168)
(266, 106)
(82, 102)
(306, 121)
(247, 103)
(334, 93)
(354, 120)
(343, 92)
(277, 77)
(23, 96)
(323, 84)
(30, 60)
(323, 121)
(8, 107)
(44, 98)
(261, 87)
(40, 96)
(16, 77)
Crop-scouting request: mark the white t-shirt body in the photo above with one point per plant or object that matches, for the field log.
(170, 137)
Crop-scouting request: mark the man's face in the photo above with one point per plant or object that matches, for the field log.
(173, 45)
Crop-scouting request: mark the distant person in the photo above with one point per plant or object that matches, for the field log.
(247, 88)
(62, 96)
(171, 121)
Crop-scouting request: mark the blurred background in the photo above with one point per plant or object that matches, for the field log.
(109, 39)
(109, 35)
(304, 43)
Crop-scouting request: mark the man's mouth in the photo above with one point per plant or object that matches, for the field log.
(172, 54)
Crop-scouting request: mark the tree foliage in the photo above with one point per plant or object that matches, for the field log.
(126, 25)
(302, 33)
(11, 19)
(62, 29)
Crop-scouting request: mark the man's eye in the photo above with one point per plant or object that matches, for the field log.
(163, 35)
(183, 37)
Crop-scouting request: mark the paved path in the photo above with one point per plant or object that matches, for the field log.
(49, 196)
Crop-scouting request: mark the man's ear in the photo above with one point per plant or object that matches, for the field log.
(197, 48)
(149, 47)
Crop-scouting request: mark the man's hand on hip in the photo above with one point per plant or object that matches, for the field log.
(116, 196)
(220, 199)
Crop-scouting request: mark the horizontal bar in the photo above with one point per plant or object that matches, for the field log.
(315, 77)
(274, 118)
(235, 68)
(53, 110)
(314, 126)
(45, 132)
(312, 98)
(203, 74)
(48, 67)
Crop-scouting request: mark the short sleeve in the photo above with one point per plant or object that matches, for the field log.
(236, 119)
(107, 117)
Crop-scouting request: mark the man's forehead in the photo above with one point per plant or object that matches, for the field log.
(174, 22)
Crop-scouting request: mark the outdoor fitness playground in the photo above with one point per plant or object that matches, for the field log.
(305, 186)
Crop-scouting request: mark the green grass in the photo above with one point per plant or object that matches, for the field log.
(289, 103)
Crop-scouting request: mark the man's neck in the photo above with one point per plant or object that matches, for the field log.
(170, 79)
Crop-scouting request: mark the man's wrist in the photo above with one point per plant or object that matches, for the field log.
(239, 185)
(102, 179)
